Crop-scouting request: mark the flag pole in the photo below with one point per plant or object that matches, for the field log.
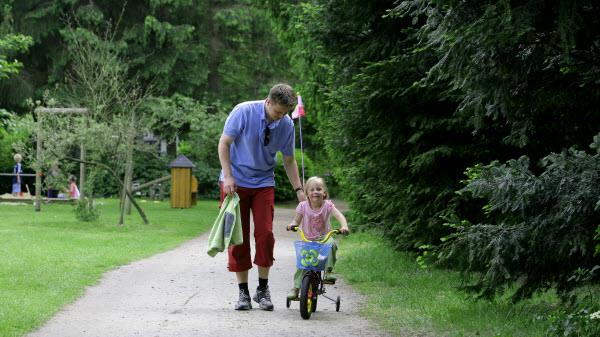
(301, 148)
(298, 113)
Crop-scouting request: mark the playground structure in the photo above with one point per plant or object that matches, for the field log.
(184, 186)
(25, 197)
(37, 201)
(156, 190)
(40, 111)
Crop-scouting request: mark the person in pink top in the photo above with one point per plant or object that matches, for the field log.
(73, 190)
(312, 216)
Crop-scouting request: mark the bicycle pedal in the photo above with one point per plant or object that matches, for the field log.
(328, 281)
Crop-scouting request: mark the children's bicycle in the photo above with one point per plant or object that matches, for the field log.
(312, 256)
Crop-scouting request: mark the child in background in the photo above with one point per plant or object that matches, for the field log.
(73, 190)
(312, 216)
(17, 170)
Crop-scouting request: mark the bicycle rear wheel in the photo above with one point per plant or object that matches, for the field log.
(308, 296)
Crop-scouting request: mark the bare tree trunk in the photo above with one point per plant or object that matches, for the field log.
(127, 179)
(38, 166)
(82, 188)
(128, 176)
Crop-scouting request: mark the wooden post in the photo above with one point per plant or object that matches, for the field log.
(37, 205)
(82, 172)
(129, 160)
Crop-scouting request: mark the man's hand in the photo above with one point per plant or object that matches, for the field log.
(229, 185)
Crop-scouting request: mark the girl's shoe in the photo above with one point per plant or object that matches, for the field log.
(329, 279)
(293, 294)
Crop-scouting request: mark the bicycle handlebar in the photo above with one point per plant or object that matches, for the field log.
(297, 228)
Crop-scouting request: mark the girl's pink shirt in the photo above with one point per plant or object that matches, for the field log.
(315, 223)
(74, 191)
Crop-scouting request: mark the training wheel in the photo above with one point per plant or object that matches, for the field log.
(287, 302)
(337, 304)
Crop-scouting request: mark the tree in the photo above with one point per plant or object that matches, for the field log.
(10, 44)
(99, 82)
(216, 53)
(538, 231)
(363, 66)
(525, 66)
(204, 49)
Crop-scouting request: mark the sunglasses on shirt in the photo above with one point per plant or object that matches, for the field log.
(267, 136)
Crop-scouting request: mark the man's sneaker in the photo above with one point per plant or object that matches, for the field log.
(263, 298)
(243, 302)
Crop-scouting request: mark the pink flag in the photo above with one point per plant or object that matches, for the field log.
(299, 110)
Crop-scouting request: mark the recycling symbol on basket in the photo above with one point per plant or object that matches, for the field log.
(309, 257)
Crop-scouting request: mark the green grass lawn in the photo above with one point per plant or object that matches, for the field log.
(410, 301)
(47, 258)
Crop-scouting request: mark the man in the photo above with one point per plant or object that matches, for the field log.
(253, 133)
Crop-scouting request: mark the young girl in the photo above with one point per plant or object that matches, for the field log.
(73, 190)
(312, 216)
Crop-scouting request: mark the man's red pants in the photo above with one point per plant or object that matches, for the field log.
(261, 201)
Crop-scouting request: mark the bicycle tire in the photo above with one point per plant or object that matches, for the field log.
(307, 292)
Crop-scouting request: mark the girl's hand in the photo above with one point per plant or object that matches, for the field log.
(345, 230)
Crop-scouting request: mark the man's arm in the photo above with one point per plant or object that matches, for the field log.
(223, 148)
(291, 169)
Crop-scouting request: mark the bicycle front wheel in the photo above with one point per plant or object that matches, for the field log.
(308, 296)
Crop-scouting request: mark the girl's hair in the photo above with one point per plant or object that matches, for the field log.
(316, 180)
(18, 157)
(72, 178)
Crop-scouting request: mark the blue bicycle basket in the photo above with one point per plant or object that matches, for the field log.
(311, 255)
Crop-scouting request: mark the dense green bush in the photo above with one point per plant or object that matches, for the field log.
(580, 318)
(86, 210)
(539, 229)
(411, 93)
(147, 166)
(208, 180)
(283, 189)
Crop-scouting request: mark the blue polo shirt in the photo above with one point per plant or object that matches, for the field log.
(252, 162)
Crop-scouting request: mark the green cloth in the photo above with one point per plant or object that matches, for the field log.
(227, 229)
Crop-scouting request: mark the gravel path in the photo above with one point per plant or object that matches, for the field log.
(184, 293)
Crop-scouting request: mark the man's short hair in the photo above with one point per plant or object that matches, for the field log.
(283, 94)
